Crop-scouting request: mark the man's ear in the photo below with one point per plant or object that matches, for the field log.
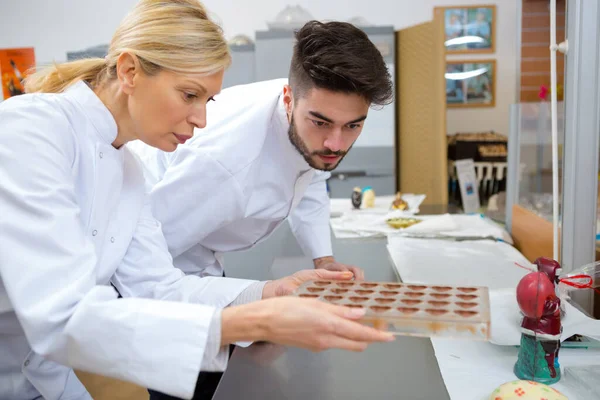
(288, 100)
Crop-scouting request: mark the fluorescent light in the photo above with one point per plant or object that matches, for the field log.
(464, 40)
(458, 76)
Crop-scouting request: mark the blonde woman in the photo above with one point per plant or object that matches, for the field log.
(75, 225)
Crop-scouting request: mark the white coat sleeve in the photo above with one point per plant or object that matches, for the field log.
(310, 219)
(195, 197)
(147, 271)
(48, 269)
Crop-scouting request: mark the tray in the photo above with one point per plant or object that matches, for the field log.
(411, 309)
(466, 145)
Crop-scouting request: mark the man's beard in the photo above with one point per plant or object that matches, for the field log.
(302, 148)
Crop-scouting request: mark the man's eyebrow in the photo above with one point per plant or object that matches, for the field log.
(324, 118)
(358, 120)
(320, 116)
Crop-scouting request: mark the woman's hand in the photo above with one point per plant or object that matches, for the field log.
(298, 322)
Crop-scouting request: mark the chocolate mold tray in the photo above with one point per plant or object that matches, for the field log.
(411, 309)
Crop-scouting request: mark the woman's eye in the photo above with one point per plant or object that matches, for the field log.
(210, 99)
(189, 97)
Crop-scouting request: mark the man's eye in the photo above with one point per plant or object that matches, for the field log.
(354, 126)
(319, 123)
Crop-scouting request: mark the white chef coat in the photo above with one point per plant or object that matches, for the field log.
(73, 219)
(235, 182)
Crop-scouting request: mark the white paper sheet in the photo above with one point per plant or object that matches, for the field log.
(434, 225)
(348, 222)
(460, 226)
(382, 204)
(473, 370)
(354, 224)
(474, 263)
(506, 320)
(359, 224)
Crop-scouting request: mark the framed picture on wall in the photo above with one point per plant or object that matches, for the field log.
(469, 29)
(471, 83)
(15, 65)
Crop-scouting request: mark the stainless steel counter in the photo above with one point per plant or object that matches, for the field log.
(405, 369)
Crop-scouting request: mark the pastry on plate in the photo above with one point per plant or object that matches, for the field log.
(401, 223)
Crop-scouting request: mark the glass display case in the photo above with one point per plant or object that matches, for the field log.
(530, 158)
(529, 202)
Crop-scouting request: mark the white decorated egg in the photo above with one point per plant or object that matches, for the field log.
(526, 390)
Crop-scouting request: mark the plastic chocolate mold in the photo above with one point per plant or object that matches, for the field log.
(339, 291)
(368, 285)
(408, 310)
(363, 292)
(411, 309)
(310, 296)
(392, 286)
(462, 304)
(380, 308)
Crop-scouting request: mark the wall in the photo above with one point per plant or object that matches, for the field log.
(535, 52)
(494, 118)
(55, 27)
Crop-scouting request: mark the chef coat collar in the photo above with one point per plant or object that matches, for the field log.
(98, 114)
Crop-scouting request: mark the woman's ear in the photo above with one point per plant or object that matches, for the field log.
(128, 67)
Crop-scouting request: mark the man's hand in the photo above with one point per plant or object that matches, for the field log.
(286, 286)
(330, 264)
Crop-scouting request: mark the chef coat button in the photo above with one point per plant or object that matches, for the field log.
(94, 232)
(26, 363)
(101, 155)
(112, 239)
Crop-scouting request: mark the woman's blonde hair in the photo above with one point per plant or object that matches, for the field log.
(175, 35)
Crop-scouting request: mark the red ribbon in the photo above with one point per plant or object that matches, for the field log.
(528, 269)
(573, 281)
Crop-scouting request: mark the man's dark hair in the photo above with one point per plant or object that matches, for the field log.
(338, 56)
